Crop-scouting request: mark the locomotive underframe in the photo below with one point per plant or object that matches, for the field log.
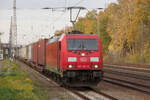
(83, 76)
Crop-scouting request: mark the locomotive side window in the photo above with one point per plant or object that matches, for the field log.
(82, 44)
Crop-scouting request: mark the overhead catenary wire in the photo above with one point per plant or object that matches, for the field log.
(66, 9)
(57, 8)
(61, 15)
(54, 9)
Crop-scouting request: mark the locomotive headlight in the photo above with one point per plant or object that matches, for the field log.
(72, 59)
(70, 66)
(94, 59)
(82, 54)
(95, 66)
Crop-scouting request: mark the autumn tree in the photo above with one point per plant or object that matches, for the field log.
(124, 28)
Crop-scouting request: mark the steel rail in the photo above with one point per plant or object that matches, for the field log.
(127, 84)
(103, 94)
(142, 77)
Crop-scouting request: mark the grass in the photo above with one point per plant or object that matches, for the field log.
(16, 85)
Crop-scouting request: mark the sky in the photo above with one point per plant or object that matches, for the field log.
(8, 4)
(34, 22)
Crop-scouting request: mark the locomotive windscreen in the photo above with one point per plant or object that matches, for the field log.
(82, 44)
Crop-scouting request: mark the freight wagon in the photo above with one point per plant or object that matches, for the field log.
(22, 53)
(35, 53)
(29, 53)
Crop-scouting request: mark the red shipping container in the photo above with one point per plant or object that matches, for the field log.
(52, 54)
(42, 52)
(35, 53)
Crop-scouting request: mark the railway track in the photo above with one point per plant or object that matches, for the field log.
(126, 74)
(128, 68)
(86, 94)
(89, 93)
(133, 80)
(103, 94)
(130, 85)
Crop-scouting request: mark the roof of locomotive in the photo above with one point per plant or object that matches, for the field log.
(73, 33)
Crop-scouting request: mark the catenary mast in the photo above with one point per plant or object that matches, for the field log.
(14, 28)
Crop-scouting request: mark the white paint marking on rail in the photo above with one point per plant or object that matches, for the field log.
(74, 95)
(126, 67)
(94, 96)
(98, 97)
(48, 79)
(87, 95)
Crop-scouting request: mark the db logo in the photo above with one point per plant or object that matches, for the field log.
(83, 59)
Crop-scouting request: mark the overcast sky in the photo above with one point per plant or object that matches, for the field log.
(33, 22)
(8, 4)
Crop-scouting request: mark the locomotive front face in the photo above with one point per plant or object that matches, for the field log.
(84, 53)
(83, 59)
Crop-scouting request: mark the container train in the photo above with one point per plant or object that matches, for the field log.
(73, 59)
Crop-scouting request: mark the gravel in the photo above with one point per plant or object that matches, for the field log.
(121, 93)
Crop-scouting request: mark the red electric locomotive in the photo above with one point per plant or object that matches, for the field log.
(75, 58)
